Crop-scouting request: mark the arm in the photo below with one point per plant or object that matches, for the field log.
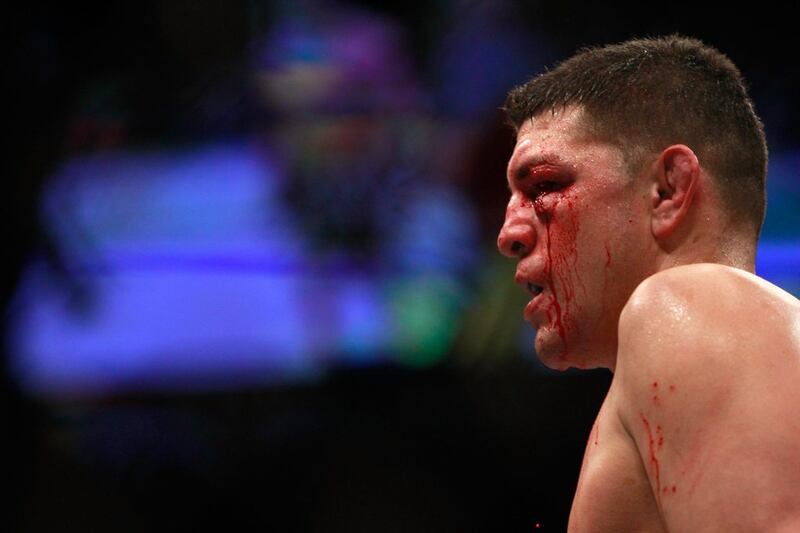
(709, 396)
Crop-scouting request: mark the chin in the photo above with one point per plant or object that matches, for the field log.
(553, 353)
(561, 365)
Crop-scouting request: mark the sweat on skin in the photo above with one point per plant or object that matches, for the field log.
(646, 275)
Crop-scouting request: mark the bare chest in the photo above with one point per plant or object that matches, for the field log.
(613, 492)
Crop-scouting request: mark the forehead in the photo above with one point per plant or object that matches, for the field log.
(560, 138)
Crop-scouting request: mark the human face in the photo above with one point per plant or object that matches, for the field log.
(575, 222)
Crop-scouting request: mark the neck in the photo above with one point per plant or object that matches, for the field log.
(736, 251)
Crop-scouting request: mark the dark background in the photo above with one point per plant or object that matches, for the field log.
(474, 441)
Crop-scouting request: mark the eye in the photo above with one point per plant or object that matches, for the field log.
(544, 187)
(548, 186)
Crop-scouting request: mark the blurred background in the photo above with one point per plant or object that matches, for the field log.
(251, 272)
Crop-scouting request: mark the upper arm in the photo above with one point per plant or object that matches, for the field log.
(708, 416)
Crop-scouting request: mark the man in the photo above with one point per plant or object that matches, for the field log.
(637, 196)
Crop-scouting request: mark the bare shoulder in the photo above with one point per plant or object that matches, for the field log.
(712, 306)
(711, 327)
(709, 285)
(706, 373)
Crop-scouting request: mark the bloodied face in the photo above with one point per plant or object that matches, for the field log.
(577, 222)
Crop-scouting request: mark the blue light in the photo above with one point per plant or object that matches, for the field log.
(779, 262)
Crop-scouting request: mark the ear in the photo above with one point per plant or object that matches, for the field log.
(677, 173)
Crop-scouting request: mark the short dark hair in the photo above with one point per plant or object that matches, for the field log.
(646, 94)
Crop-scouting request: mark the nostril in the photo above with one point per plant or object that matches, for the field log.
(516, 239)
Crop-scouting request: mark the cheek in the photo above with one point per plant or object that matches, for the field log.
(546, 207)
(560, 215)
(562, 220)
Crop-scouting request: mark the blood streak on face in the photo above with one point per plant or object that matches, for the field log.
(606, 279)
(557, 210)
(567, 215)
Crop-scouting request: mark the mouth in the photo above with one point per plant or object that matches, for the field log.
(532, 309)
(531, 281)
(534, 289)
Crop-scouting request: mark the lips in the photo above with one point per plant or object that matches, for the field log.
(533, 310)
(534, 289)
(530, 279)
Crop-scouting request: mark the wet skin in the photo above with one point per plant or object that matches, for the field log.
(573, 209)
(700, 429)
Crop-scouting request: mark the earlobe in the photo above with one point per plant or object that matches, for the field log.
(677, 173)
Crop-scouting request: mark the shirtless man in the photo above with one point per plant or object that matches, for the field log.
(637, 197)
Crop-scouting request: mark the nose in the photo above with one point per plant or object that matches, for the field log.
(517, 238)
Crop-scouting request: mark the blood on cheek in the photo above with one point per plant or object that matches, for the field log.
(558, 212)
